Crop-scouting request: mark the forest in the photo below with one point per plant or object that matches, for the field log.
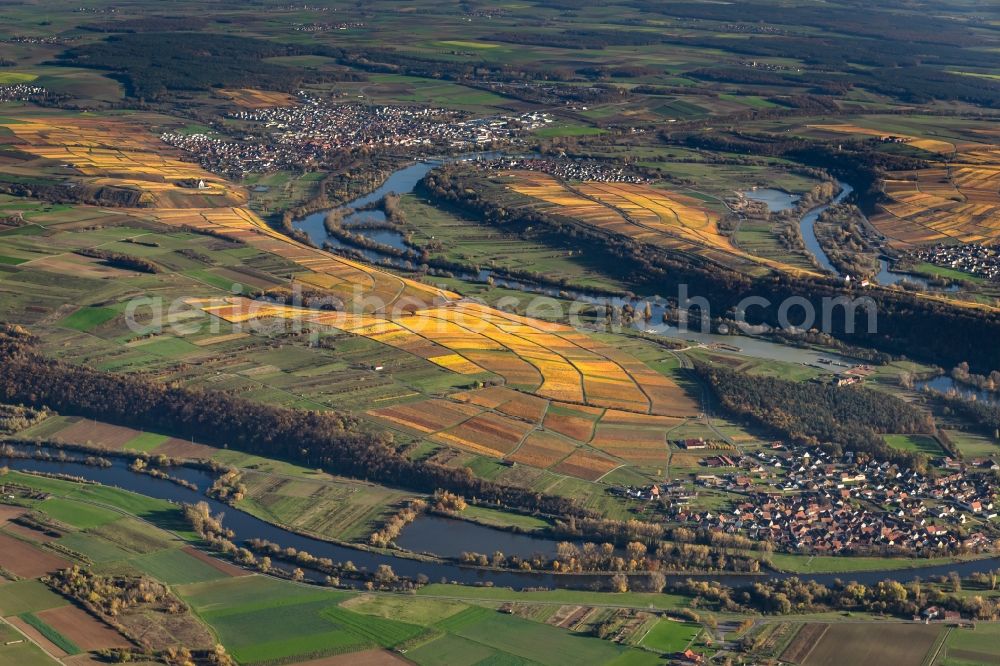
(120, 260)
(151, 64)
(836, 418)
(327, 440)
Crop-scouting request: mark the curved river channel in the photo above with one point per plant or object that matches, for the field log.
(778, 200)
(461, 535)
(444, 536)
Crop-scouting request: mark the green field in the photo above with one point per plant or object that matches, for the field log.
(945, 272)
(916, 444)
(413, 610)
(566, 129)
(57, 639)
(488, 516)
(973, 445)
(27, 596)
(468, 44)
(451, 650)
(86, 319)
(8, 78)
(175, 567)
(16, 651)
(159, 512)
(969, 647)
(526, 639)
(94, 547)
(77, 514)
(835, 564)
(260, 619)
(146, 442)
(669, 636)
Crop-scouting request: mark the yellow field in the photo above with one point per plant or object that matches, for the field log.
(939, 146)
(104, 152)
(251, 98)
(351, 281)
(644, 213)
(957, 201)
(549, 363)
(571, 367)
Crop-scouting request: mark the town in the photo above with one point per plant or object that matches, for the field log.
(304, 136)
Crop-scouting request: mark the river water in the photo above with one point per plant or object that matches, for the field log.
(405, 180)
(449, 537)
(461, 533)
(779, 200)
(945, 384)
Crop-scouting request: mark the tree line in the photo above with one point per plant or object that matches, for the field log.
(120, 260)
(327, 440)
(793, 595)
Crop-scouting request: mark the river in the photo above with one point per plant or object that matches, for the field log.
(779, 200)
(433, 532)
(246, 526)
(405, 180)
(945, 384)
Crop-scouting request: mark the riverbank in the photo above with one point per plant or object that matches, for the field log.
(156, 500)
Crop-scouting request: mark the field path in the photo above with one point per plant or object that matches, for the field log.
(31, 640)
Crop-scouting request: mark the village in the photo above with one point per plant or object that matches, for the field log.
(975, 258)
(807, 500)
(567, 169)
(306, 135)
(21, 92)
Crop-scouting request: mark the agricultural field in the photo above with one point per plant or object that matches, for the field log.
(973, 445)
(117, 155)
(966, 646)
(646, 214)
(280, 493)
(550, 360)
(339, 509)
(102, 222)
(259, 618)
(303, 622)
(252, 98)
(15, 650)
(121, 546)
(953, 201)
(104, 153)
(862, 643)
(670, 636)
(916, 443)
(585, 442)
(467, 241)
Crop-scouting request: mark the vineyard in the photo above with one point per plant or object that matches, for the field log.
(109, 153)
(569, 403)
(647, 214)
(956, 200)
